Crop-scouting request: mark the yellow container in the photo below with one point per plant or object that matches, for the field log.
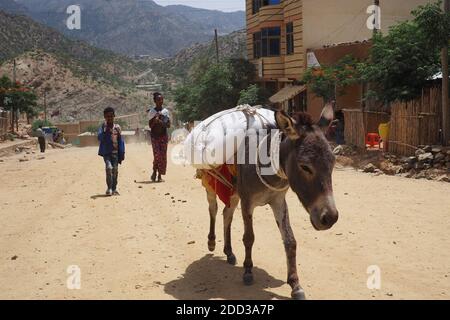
(383, 131)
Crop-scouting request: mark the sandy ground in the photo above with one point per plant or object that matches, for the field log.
(139, 245)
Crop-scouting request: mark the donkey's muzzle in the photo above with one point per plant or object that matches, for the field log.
(328, 219)
(324, 219)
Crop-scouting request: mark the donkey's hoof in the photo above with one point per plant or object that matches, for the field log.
(231, 259)
(298, 294)
(211, 245)
(248, 279)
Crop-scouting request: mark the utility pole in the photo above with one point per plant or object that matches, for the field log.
(14, 72)
(377, 16)
(13, 110)
(366, 87)
(45, 105)
(217, 45)
(445, 100)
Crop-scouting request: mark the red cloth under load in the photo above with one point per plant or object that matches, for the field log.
(223, 191)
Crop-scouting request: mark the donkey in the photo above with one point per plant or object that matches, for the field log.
(307, 162)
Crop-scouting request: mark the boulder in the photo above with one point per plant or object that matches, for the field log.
(418, 165)
(436, 150)
(443, 178)
(439, 157)
(429, 175)
(339, 150)
(410, 174)
(412, 160)
(419, 152)
(420, 175)
(407, 166)
(344, 161)
(425, 157)
(370, 168)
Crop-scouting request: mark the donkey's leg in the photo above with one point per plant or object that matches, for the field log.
(281, 213)
(227, 220)
(249, 239)
(212, 201)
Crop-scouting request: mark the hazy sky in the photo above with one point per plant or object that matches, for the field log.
(223, 5)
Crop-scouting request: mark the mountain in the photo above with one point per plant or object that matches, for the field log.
(230, 46)
(13, 7)
(136, 27)
(69, 96)
(79, 80)
(21, 34)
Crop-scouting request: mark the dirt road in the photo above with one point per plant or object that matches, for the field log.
(151, 242)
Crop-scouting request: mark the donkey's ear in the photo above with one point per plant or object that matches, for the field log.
(327, 116)
(286, 124)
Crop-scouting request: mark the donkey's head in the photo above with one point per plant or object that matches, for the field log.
(308, 162)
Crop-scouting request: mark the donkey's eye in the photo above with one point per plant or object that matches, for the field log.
(306, 169)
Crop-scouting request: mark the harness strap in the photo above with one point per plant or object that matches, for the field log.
(217, 175)
(280, 173)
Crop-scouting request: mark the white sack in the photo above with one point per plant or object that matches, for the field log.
(215, 140)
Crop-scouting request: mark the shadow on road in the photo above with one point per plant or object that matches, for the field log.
(100, 196)
(146, 182)
(212, 278)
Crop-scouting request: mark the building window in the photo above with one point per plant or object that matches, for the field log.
(290, 38)
(257, 4)
(257, 45)
(270, 42)
(267, 43)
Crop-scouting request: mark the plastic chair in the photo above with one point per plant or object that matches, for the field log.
(373, 139)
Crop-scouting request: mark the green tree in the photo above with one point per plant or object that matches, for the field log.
(16, 97)
(434, 23)
(402, 61)
(186, 98)
(242, 73)
(212, 88)
(253, 95)
(329, 81)
(39, 122)
(215, 91)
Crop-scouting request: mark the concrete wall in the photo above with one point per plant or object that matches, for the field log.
(328, 22)
(87, 140)
(85, 124)
(69, 128)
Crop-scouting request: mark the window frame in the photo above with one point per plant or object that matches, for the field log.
(258, 4)
(290, 43)
(257, 50)
(266, 40)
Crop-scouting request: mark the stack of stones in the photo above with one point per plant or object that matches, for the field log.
(428, 157)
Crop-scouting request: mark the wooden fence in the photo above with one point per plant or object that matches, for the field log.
(358, 123)
(4, 123)
(3, 126)
(416, 123)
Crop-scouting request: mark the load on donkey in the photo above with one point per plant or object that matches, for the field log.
(254, 155)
